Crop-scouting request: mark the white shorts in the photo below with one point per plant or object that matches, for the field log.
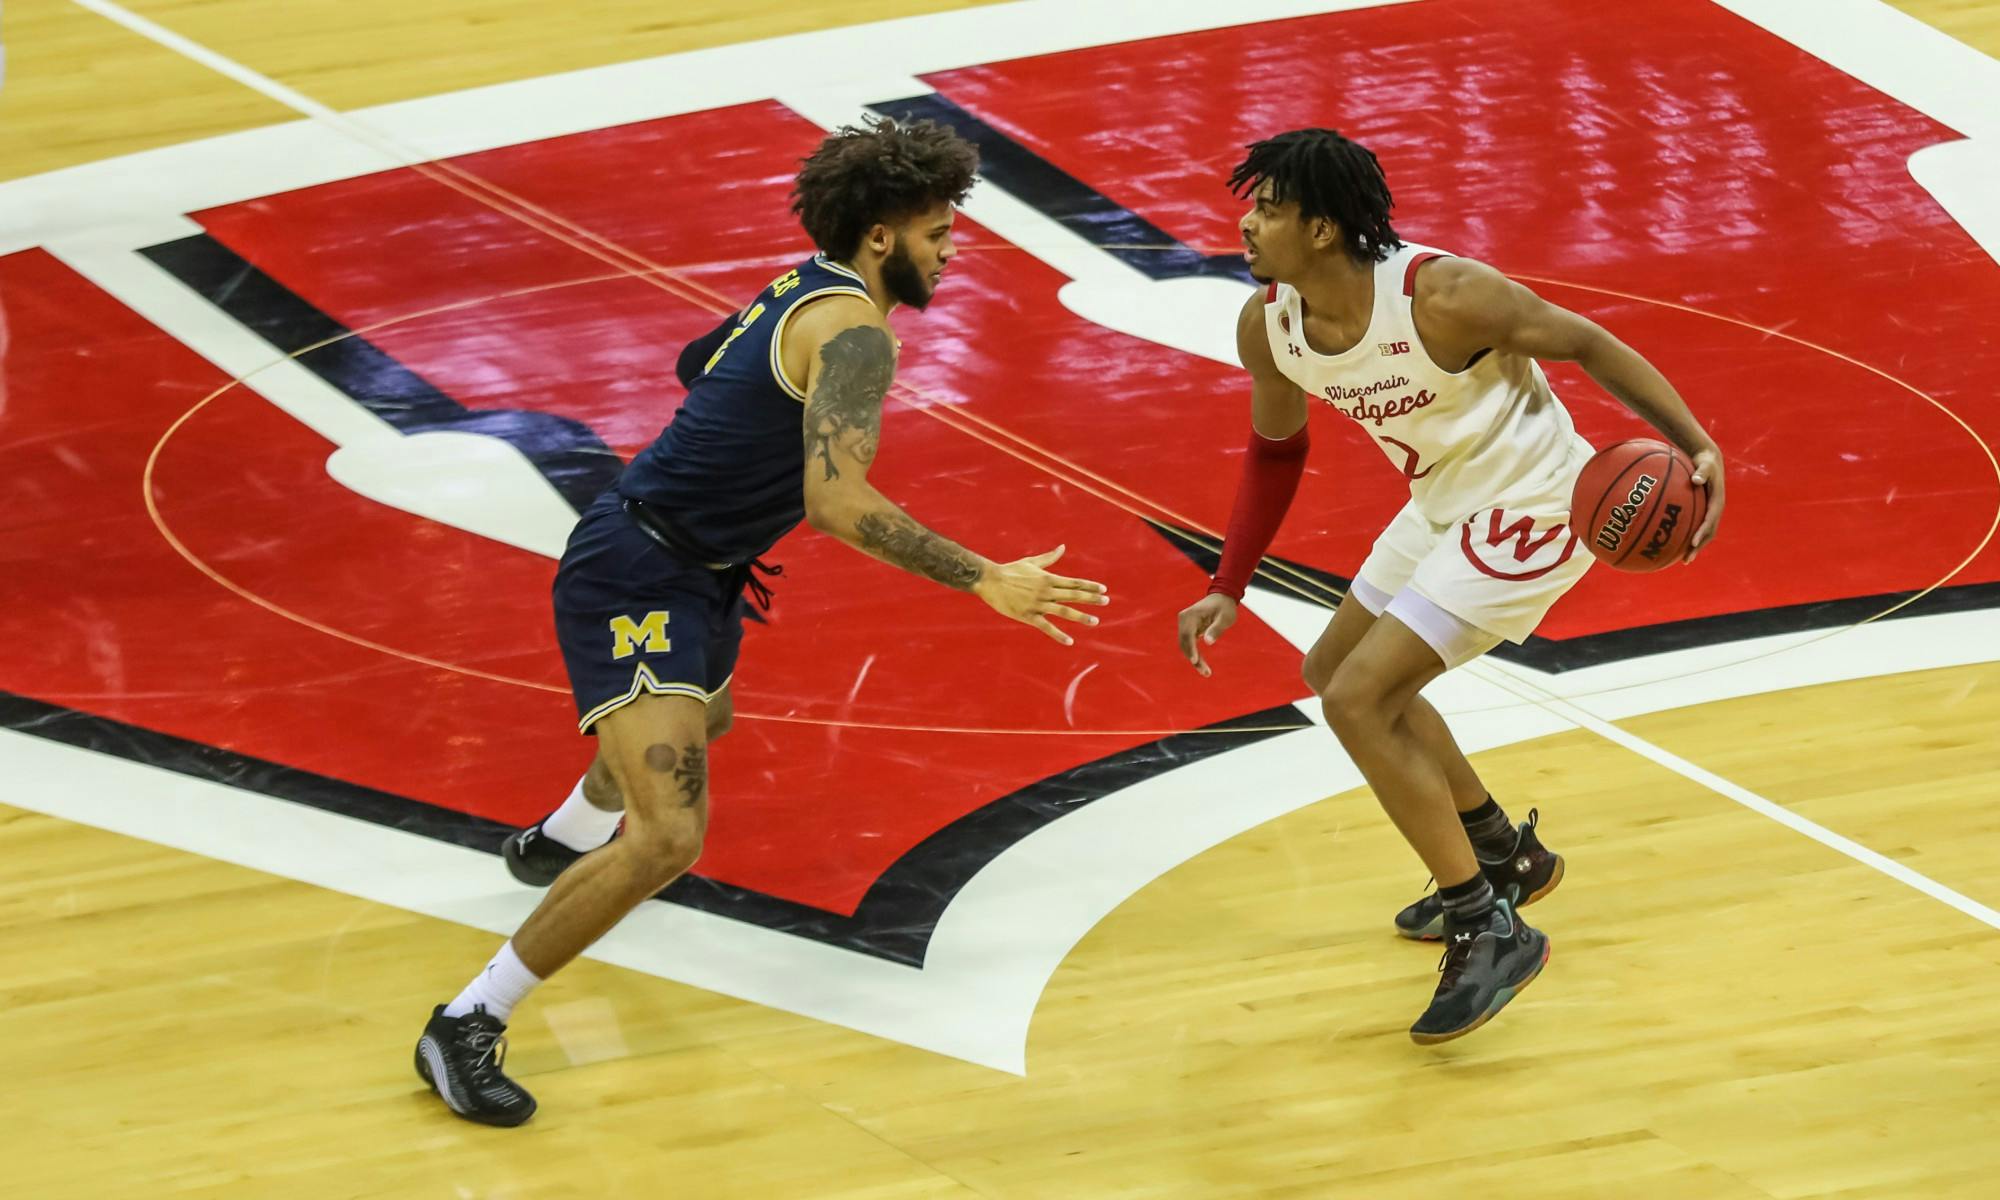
(1487, 578)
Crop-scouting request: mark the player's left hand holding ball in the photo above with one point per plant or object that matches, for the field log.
(1707, 471)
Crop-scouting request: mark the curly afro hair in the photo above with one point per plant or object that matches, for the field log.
(881, 172)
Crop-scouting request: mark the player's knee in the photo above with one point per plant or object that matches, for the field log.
(1317, 670)
(1352, 701)
(664, 851)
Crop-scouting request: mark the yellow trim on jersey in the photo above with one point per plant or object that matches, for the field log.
(644, 682)
(778, 335)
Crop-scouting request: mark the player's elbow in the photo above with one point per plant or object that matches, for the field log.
(824, 508)
(819, 514)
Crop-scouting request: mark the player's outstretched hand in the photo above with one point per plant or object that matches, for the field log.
(1707, 471)
(1202, 622)
(1025, 591)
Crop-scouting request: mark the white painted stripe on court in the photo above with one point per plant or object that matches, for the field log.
(1584, 719)
(207, 58)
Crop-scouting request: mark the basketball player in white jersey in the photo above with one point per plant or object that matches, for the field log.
(1434, 356)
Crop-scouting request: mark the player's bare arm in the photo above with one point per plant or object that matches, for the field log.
(853, 361)
(1463, 306)
(1278, 410)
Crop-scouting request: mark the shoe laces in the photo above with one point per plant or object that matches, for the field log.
(1457, 956)
(487, 1042)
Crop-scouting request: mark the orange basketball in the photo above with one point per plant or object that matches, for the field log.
(1636, 505)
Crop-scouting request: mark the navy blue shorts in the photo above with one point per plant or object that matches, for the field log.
(634, 618)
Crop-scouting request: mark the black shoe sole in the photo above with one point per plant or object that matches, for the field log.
(1501, 999)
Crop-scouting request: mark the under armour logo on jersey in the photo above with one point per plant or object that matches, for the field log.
(1293, 347)
(1393, 347)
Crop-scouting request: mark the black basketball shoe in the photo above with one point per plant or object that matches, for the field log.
(460, 1057)
(1481, 971)
(535, 858)
(1523, 877)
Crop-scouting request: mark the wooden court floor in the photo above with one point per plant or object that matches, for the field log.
(1735, 1011)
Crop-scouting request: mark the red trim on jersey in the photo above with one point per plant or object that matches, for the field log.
(1271, 294)
(1410, 272)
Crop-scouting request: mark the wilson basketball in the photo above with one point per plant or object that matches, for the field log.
(1636, 505)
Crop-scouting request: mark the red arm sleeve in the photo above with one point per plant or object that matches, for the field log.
(1271, 471)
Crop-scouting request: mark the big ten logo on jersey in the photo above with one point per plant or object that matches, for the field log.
(784, 283)
(1389, 348)
(648, 633)
(749, 319)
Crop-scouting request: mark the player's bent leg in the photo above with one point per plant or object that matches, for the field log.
(1512, 856)
(656, 748)
(591, 815)
(1355, 616)
(1490, 953)
(1366, 703)
(1422, 920)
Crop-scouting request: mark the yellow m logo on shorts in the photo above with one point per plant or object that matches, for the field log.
(628, 635)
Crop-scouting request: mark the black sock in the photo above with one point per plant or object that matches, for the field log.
(1468, 904)
(1490, 829)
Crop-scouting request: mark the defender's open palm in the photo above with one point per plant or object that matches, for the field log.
(1027, 592)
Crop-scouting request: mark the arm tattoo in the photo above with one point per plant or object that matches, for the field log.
(846, 405)
(898, 539)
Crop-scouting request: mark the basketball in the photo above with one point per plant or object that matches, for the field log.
(1636, 505)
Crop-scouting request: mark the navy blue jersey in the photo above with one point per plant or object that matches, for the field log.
(729, 469)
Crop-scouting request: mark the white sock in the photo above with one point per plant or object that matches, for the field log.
(579, 824)
(504, 983)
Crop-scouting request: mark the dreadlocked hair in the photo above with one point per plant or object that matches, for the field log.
(1332, 179)
(882, 171)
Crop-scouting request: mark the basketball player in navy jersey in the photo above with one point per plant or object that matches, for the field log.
(781, 423)
(1434, 357)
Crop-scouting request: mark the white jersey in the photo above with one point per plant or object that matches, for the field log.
(1464, 440)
